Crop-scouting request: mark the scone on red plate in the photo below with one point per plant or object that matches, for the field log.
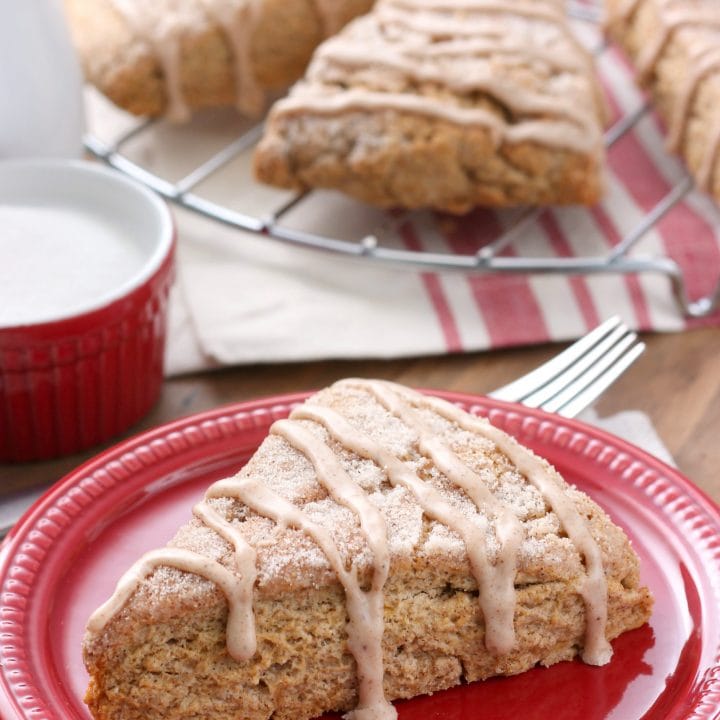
(168, 57)
(380, 544)
(444, 104)
(676, 46)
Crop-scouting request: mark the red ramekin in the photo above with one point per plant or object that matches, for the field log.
(79, 378)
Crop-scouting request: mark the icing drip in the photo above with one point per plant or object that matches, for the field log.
(238, 21)
(495, 583)
(465, 47)
(705, 62)
(673, 19)
(463, 81)
(365, 609)
(557, 133)
(162, 25)
(190, 562)
(597, 649)
(244, 639)
(546, 10)
(478, 47)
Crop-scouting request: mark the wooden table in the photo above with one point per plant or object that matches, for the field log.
(676, 382)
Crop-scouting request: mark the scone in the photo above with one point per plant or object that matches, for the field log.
(380, 544)
(444, 105)
(167, 57)
(676, 47)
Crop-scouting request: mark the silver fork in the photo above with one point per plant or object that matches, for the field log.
(574, 379)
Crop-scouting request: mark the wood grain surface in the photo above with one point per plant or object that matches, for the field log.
(676, 383)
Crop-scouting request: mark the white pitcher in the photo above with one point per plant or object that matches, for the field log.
(41, 108)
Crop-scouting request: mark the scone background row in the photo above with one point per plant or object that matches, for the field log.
(424, 104)
(199, 53)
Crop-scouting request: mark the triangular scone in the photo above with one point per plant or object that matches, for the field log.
(444, 104)
(380, 544)
(169, 57)
(676, 47)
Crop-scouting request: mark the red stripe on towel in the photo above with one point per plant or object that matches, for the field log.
(507, 303)
(637, 297)
(435, 292)
(578, 284)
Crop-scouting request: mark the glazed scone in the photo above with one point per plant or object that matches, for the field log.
(676, 47)
(168, 57)
(380, 544)
(444, 105)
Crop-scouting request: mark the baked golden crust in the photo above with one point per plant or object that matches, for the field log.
(423, 104)
(676, 46)
(164, 655)
(126, 66)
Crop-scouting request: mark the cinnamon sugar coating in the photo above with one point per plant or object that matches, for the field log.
(164, 654)
(675, 45)
(445, 106)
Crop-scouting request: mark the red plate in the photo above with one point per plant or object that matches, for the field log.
(64, 557)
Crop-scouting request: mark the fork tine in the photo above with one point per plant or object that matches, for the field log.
(590, 373)
(604, 351)
(519, 389)
(574, 404)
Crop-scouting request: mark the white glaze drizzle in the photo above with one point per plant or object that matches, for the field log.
(556, 133)
(673, 19)
(352, 51)
(189, 562)
(414, 36)
(162, 23)
(365, 609)
(239, 20)
(705, 62)
(495, 583)
(244, 638)
(158, 24)
(597, 650)
(481, 79)
(539, 9)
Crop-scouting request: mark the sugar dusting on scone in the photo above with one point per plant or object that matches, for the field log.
(380, 544)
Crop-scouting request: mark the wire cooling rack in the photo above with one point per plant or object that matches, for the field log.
(376, 245)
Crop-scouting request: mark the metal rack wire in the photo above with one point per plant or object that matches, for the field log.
(373, 246)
